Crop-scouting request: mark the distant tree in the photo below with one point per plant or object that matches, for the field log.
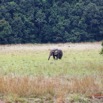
(5, 31)
(50, 21)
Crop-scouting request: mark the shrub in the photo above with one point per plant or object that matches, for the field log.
(101, 52)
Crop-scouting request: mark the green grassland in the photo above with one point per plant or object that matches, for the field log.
(84, 62)
(28, 73)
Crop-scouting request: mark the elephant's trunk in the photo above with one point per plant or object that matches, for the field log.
(49, 57)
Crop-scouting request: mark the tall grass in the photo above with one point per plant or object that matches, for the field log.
(37, 86)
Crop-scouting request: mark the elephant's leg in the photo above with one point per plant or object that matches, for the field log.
(53, 56)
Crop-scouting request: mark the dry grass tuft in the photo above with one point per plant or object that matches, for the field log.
(85, 85)
(57, 87)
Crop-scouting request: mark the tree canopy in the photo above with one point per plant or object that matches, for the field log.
(50, 21)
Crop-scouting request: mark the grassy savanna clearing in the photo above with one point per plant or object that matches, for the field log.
(26, 72)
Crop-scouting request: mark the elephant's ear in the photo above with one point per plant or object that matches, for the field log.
(56, 52)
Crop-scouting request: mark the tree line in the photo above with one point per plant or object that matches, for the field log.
(50, 21)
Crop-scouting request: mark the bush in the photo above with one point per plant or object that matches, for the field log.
(101, 49)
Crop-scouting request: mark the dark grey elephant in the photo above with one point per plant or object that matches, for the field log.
(56, 53)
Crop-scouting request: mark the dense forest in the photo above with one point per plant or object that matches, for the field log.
(50, 21)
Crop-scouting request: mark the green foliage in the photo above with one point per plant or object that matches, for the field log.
(5, 31)
(101, 52)
(4, 28)
(102, 44)
(43, 21)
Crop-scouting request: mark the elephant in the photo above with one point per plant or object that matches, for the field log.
(56, 53)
